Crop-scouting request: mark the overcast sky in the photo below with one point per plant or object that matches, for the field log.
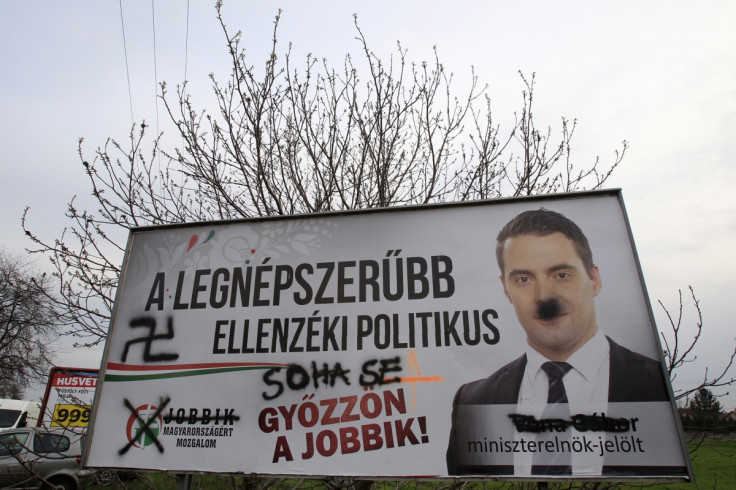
(659, 74)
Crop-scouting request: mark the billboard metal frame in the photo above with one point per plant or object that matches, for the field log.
(395, 211)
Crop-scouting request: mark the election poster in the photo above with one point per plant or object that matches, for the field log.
(503, 338)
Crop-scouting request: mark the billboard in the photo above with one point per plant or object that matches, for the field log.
(389, 343)
(67, 401)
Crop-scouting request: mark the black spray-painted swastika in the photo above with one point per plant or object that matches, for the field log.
(150, 323)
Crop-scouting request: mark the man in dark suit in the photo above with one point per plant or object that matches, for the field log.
(548, 274)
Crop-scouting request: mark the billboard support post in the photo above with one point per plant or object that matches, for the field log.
(183, 481)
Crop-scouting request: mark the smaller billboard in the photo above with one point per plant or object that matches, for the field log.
(68, 398)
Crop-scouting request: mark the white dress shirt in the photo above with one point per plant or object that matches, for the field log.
(586, 386)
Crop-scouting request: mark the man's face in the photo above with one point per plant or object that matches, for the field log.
(552, 293)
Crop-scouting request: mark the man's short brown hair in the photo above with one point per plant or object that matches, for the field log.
(543, 222)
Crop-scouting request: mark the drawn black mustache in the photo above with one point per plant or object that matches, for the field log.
(549, 309)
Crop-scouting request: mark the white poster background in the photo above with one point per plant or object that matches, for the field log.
(411, 443)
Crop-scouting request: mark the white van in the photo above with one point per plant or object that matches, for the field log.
(18, 413)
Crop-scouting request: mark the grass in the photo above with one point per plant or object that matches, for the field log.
(714, 463)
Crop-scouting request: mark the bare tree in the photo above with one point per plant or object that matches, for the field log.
(298, 140)
(680, 341)
(27, 325)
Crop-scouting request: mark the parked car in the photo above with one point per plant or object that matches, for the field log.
(43, 458)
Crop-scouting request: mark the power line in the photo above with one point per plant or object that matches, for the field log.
(127, 69)
(155, 75)
(184, 84)
(186, 47)
(155, 63)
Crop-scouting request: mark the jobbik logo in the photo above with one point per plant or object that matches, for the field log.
(143, 426)
(190, 427)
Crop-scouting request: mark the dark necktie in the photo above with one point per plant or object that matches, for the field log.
(550, 462)
(555, 372)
